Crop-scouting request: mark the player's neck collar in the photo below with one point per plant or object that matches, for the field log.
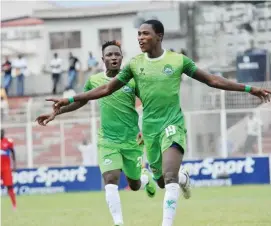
(110, 78)
(107, 76)
(157, 58)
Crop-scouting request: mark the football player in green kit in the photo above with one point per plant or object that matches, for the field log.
(157, 75)
(119, 148)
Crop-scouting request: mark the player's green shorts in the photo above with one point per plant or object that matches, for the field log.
(125, 156)
(156, 145)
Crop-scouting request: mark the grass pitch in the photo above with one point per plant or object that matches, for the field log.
(217, 206)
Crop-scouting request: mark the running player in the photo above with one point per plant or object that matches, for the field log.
(157, 74)
(7, 151)
(118, 148)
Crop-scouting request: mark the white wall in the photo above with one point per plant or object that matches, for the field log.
(176, 44)
(33, 49)
(90, 38)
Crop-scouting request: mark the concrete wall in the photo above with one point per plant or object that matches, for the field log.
(89, 28)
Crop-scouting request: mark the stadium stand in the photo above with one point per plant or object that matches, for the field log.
(47, 142)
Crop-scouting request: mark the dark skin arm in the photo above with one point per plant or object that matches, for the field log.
(71, 107)
(93, 94)
(225, 84)
(13, 159)
(46, 118)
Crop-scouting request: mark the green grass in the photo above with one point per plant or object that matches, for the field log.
(223, 206)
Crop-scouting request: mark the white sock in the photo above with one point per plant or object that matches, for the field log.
(170, 203)
(113, 202)
(182, 178)
(144, 180)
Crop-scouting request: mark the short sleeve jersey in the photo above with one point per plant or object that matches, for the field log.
(119, 118)
(158, 86)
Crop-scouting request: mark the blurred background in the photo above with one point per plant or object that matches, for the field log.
(228, 38)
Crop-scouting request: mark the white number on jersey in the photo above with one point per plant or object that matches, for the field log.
(171, 130)
(139, 161)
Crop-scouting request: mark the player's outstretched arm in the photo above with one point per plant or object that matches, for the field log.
(93, 94)
(102, 91)
(44, 119)
(225, 84)
(71, 107)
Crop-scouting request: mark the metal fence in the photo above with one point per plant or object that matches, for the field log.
(224, 133)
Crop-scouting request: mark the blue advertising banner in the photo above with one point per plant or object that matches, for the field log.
(123, 183)
(252, 66)
(207, 172)
(227, 172)
(45, 180)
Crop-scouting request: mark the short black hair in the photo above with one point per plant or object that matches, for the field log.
(111, 43)
(183, 51)
(157, 26)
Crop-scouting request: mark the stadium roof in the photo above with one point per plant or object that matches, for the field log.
(22, 21)
(17, 9)
(105, 10)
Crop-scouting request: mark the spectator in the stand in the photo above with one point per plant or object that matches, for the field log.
(92, 62)
(56, 70)
(4, 104)
(74, 67)
(20, 67)
(88, 153)
(6, 68)
(253, 128)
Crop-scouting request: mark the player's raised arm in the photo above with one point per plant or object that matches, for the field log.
(102, 91)
(221, 83)
(44, 119)
(94, 94)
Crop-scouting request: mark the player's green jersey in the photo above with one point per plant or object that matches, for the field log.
(119, 118)
(158, 86)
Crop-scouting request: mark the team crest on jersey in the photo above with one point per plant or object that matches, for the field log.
(127, 89)
(141, 71)
(168, 69)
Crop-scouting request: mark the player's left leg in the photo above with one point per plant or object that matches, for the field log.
(8, 182)
(12, 196)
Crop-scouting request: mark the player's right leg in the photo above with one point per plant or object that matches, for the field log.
(154, 157)
(161, 182)
(110, 162)
(137, 177)
(6, 176)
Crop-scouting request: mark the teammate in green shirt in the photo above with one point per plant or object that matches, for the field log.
(157, 74)
(117, 142)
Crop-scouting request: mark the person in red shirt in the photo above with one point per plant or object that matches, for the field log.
(7, 151)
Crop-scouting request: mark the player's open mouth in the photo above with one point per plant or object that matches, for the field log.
(114, 64)
(141, 44)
